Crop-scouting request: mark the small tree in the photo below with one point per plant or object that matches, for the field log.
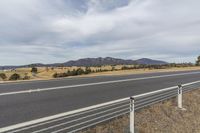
(73, 72)
(113, 68)
(3, 76)
(88, 70)
(15, 76)
(198, 61)
(79, 71)
(34, 70)
(26, 77)
(55, 75)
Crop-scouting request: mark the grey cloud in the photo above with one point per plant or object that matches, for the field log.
(61, 30)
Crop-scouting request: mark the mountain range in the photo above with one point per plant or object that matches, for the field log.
(93, 62)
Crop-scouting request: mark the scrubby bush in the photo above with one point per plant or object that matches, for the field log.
(80, 71)
(88, 70)
(26, 77)
(74, 72)
(3, 76)
(124, 68)
(59, 75)
(198, 61)
(15, 76)
(34, 70)
(113, 68)
(55, 75)
(99, 70)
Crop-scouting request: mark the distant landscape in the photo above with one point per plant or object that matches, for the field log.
(90, 67)
(89, 62)
(99, 66)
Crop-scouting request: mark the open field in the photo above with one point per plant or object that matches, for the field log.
(163, 117)
(47, 73)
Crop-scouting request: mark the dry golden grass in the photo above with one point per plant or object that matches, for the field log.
(160, 118)
(140, 71)
(46, 74)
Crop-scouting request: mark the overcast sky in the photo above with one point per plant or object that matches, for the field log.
(49, 31)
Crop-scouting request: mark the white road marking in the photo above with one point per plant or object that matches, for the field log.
(72, 78)
(41, 81)
(53, 117)
(92, 84)
(24, 124)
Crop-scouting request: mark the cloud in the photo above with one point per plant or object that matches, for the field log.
(56, 31)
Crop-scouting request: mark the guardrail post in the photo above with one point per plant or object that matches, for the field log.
(132, 111)
(180, 92)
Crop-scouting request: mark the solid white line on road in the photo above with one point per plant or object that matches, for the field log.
(25, 124)
(92, 84)
(54, 117)
(45, 81)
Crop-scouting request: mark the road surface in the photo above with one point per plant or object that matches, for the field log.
(25, 101)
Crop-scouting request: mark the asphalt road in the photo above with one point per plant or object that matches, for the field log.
(25, 101)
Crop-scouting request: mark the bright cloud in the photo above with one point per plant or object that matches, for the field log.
(56, 31)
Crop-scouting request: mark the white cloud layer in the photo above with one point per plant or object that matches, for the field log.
(56, 31)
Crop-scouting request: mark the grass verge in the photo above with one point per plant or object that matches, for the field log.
(163, 117)
(43, 74)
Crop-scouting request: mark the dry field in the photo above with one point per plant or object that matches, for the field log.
(160, 118)
(45, 74)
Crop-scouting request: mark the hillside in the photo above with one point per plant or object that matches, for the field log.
(150, 61)
(93, 62)
(99, 62)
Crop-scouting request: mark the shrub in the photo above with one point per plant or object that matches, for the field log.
(198, 61)
(79, 71)
(26, 77)
(3, 76)
(87, 70)
(34, 70)
(59, 75)
(73, 73)
(15, 76)
(55, 75)
(127, 68)
(113, 68)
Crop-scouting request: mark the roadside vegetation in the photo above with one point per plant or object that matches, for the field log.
(3, 76)
(15, 76)
(163, 117)
(34, 71)
(44, 73)
(198, 61)
(88, 70)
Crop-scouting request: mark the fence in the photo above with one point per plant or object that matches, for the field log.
(80, 119)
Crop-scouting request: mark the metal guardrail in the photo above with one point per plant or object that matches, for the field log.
(80, 119)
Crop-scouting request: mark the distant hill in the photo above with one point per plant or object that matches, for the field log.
(99, 62)
(147, 61)
(93, 62)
